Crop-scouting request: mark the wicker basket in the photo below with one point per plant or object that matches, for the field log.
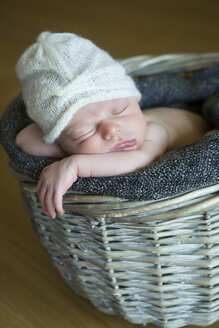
(150, 262)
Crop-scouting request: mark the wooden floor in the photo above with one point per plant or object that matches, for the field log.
(32, 294)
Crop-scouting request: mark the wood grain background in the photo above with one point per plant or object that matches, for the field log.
(32, 294)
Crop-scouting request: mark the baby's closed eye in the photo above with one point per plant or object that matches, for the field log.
(117, 111)
(84, 134)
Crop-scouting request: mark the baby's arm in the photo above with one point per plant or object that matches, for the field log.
(58, 177)
(30, 140)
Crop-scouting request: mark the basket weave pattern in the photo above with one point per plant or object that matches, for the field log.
(151, 262)
(147, 261)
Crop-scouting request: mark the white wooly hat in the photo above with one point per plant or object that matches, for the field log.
(63, 72)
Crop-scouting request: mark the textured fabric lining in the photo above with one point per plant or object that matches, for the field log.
(185, 169)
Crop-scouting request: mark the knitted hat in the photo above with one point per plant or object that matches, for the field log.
(62, 72)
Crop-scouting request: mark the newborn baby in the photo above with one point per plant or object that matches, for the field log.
(86, 113)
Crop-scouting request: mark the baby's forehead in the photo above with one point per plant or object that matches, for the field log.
(97, 108)
(108, 104)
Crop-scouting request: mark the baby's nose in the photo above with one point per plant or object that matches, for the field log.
(110, 129)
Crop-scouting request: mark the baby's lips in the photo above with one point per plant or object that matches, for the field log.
(125, 144)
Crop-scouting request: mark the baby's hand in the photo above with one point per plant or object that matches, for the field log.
(55, 180)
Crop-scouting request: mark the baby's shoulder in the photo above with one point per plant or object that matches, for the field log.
(156, 138)
(156, 128)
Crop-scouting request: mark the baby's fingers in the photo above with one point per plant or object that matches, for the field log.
(57, 201)
(45, 195)
(41, 191)
(52, 201)
(49, 205)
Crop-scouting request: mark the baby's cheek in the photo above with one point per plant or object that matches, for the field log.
(95, 145)
(66, 146)
(139, 126)
(84, 146)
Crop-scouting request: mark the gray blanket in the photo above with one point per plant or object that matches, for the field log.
(185, 169)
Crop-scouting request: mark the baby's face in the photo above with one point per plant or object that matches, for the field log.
(104, 127)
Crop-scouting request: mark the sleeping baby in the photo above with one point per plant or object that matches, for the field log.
(86, 115)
